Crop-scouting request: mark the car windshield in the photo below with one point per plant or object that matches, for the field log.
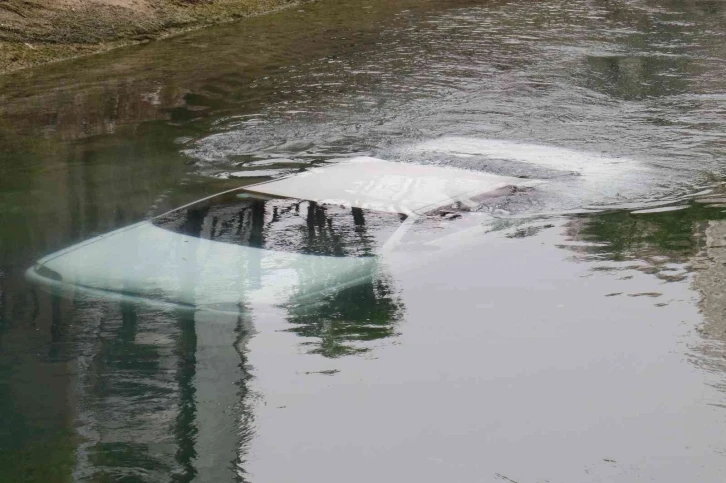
(249, 219)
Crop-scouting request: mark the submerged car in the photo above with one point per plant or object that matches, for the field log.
(286, 239)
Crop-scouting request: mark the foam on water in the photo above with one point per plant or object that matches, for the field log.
(551, 157)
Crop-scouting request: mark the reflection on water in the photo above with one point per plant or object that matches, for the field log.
(348, 321)
(98, 390)
(137, 372)
(685, 244)
(667, 235)
(163, 393)
(709, 279)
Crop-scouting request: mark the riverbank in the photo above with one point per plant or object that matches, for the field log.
(34, 32)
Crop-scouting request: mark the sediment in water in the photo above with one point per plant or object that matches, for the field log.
(34, 32)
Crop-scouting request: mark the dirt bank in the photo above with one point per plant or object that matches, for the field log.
(37, 31)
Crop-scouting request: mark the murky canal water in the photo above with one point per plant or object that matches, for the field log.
(578, 336)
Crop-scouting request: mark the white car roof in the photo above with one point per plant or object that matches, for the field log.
(376, 184)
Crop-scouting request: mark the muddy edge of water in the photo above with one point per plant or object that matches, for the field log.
(33, 34)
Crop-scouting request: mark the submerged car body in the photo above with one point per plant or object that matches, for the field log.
(281, 240)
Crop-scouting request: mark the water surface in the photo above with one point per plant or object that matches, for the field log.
(576, 336)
